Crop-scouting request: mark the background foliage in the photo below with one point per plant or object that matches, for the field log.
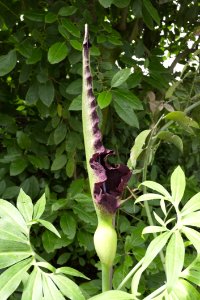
(40, 113)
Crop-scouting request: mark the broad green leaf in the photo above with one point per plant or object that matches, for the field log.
(32, 95)
(126, 113)
(113, 295)
(12, 215)
(137, 148)
(11, 278)
(23, 140)
(74, 88)
(33, 286)
(68, 225)
(7, 62)
(146, 197)
(50, 290)
(193, 236)
(18, 166)
(104, 99)
(152, 229)
(70, 271)
(152, 11)
(25, 206)
(152, 251)
(175, 254)
(106, 3)
(171, 138)
(192, 219)
(46, 92)
(10, 233)
(50, 18)
(39, 207)
(66, 11)
(60, 133)
(36, 56)
(125, 95)
(177, 185)
(12, 252)
(70, 166)
(76, 44)
(76, 103)
(49, 226)
(57, 52)
(71, 27)
(157, 187)
(181, 118)
(69, 288)
(185, 291)
(49, 241)
(192, 205)
(120, 77)
(59, 162)
(121, 4)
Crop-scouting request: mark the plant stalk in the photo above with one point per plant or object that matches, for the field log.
(106, 277)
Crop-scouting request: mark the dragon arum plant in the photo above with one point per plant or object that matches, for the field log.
(36, 279)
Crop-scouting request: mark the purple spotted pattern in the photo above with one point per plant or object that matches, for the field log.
(111, 179)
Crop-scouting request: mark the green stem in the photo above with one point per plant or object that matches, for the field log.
(106, 277)
(144, 177)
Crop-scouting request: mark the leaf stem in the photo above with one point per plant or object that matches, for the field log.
(156, 292)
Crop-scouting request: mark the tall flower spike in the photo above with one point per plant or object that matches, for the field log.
(106, 181)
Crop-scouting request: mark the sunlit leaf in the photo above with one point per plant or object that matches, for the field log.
(33, 287)
(25, 206)
(192, 205)
(177, 184)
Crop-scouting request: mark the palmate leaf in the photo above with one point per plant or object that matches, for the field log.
(50, 290)
(70, 271)
(8, 232)
(49, 226)
(33, 286)
(149, 196)
(184, 291)
(25, 205)
(193, 236)
(68, 288)
(192, 272)
(39, 207)
(11, 278)
(192, 205)
(9, 213)
(157, 187)
(175, 254)
(177, 184)
(152, 251)
(113, 295)
(192, 219)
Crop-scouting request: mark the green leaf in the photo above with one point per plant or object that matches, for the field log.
(70, 271)
(193, 236)
(23, 140)
(175, 254)
(49, 226)
(7, 62)
(104, 99)
(192, 219)
(8, 232)
(39, 207)
(50, 290)
(157, 187)
(177, 185)
(57, 52)
(113, 295)
(49, 241)
(71, 27)
(171, 138)
(126, 113)
(192, 205)
(152, 251)
(11, 214)
(76, 45)
(66, 11)
(60, 133)
(127, 96)
(50, 18)
(35, 56)
(106, 3)
(68, 225)
(137, 148)
(25, 206)
(76, 104)
(181, 118)
(18, 166)
(12, 252)
(59, 162)
(148, 196)
(46, 92)
(152, 11)
(70, 166)
(121, 4)
(74, 88)
(153, 229)
(120, 77)
(33, 287)
(185, 291)
(32, 95)
(69, 288)
(11, 278)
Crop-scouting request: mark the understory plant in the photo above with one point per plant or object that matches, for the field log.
(172, 232)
